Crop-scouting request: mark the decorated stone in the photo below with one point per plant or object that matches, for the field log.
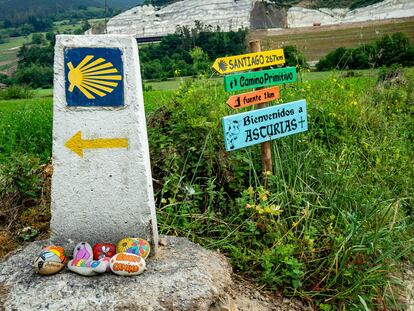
(83, 263)
(135, 246)
(51, 260)
(127, 264)
(104, 252)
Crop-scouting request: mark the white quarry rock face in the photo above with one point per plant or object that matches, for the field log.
(148, 21)
(300, 17)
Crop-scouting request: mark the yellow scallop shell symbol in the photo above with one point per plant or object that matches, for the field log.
(93, 77)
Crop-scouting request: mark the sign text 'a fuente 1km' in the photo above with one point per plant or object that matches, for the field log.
(230, 64)
(253, 98)
(257, 126)
(255, 79)
(102, 184)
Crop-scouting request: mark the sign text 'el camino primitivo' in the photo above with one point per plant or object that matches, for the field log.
(255, 79)
(249, 61)
(257, 126)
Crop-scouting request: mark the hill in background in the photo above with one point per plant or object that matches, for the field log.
(22, 9)
(352, 4)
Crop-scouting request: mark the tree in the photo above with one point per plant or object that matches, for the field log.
(201, 63)
(38, 38)
(294, 57)
(51, 37)
(35, 76)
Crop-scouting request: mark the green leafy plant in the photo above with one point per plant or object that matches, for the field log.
(16, 92)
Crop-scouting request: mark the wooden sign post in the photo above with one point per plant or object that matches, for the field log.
(265, 124)
(266, 151)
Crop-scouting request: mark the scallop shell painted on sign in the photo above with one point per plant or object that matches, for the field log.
(93, 77)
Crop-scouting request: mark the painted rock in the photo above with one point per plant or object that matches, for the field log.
(51, 260)
(135, 246)
(104, 253)
(127, 264)
(83, 263)
(102, 250)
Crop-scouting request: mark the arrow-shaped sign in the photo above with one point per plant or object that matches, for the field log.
(249, 61)
(250, 80)
(253, 98)
(77, 144)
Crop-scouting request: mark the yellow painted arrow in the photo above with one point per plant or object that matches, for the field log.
(230, 64)
(77, 144)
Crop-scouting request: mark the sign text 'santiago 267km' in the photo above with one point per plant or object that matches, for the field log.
(225, 65)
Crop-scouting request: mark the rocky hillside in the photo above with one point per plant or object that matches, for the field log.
(150, 21)
(388, 9)
(352, 4)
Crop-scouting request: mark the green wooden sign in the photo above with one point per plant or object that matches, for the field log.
(255, 79)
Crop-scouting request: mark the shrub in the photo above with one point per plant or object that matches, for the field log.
(294, 57)
(5, 79)
(35, 76)
(389, 50)
(393, 74)
(20, 176)
(38, 38)
(16, 92)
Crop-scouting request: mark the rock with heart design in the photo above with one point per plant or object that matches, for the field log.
(127, 264)
(102, 250)
(104, 253)
(51, 260)
(83, 263)
(135, 246)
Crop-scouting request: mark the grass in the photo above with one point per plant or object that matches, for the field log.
(316, 42)
(334, 224)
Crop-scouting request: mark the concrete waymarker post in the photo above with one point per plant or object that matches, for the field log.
(102, 185)
(257, 126)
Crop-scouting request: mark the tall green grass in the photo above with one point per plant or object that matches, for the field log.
(334, 223)
(26, 127)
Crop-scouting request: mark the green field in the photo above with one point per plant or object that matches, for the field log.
(9, 50)
(316, 42)
(331, 225)
(68, 27)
